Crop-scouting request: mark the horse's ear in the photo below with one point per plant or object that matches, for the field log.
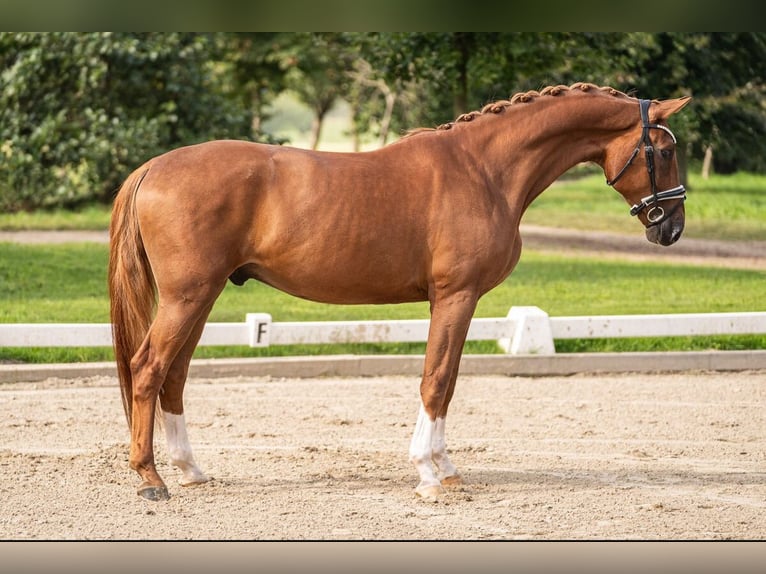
(666, 108)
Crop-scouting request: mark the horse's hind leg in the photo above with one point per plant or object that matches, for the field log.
(150, 366)
(174, 421)
(450, 319)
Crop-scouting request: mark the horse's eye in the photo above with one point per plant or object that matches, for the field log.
(666, 153)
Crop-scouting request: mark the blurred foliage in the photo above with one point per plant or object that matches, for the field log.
(80, 110)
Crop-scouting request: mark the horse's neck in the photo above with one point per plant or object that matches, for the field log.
(530, 150)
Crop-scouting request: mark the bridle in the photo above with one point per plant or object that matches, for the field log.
(656, 213)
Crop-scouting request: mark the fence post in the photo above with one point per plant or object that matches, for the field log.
(532, 333)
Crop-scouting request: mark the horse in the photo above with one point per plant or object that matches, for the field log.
(433, 216)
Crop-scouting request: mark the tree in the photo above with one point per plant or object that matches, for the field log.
(316, 68)
(79, 111)
(364, 77)
(724, 72)
(728, 78)
(252, 62)
(442, 75)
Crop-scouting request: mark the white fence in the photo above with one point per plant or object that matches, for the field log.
(525, 330)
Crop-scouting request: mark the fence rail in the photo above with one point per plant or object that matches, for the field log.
(525, 330)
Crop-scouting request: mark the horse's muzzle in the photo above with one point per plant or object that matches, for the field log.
(667, 232)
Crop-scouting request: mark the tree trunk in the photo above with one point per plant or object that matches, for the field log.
(707, 162)
(463, 41)
(255, 124)
(316, 129)
(682, 154)
(385, 122)
(356, 136)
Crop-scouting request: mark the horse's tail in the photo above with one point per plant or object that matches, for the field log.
(132, 291)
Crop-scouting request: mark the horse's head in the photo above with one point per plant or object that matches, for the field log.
(646, 173)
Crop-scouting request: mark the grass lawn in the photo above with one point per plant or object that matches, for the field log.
(729, 207)
(67, 284)
(91, 217)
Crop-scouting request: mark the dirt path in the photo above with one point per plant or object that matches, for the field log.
(584, 457)
(37, 237)
(738, 254)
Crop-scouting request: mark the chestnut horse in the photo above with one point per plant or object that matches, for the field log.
(432, 217)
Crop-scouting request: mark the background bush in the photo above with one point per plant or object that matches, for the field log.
(79, 111)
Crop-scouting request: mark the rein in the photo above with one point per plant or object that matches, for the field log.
(656, 213)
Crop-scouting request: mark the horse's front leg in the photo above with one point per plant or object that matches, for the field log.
(450, 318)
(428, 452)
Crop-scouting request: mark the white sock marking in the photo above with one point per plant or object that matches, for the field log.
(180, 451)
(428, 448)
(439, 451)
(421, 449)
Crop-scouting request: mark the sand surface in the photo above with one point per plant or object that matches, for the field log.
(647, 457)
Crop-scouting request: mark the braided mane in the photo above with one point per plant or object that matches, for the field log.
(523, 97)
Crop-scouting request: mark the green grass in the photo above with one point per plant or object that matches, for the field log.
(91, 217)
(731, 207)
(67, 284)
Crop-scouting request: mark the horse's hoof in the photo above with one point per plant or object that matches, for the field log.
(429, 492)
(154, 493)
(453, 480)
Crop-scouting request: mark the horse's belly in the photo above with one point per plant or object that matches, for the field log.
(325, 285)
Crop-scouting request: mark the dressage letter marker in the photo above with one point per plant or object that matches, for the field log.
(259, 327)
